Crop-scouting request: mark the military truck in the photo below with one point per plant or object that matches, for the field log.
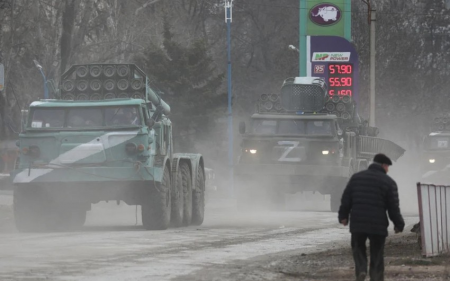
(304, 140)
(435, 152)
(105, 136)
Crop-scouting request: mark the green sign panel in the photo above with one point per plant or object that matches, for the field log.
(323, 18)
(332, 17)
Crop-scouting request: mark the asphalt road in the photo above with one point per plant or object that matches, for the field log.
(226, 247)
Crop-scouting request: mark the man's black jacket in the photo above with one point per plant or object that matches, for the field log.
(367, 197)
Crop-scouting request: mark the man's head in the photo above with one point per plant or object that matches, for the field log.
(383, 160)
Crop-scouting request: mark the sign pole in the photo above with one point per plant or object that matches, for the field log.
(348, 20)
(302, 44)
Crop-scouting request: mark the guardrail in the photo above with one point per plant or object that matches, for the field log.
(369, 146)
(434, 210)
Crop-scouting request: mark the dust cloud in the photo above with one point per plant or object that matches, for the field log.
(406, 170)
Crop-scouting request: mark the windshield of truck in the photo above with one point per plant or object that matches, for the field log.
(48, 118)
(437, 142)
(293, 127)
(265, 127)
(319, 128)
(85, 117)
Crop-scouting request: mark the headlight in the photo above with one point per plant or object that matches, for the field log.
(35, 151)
(253, 151)
(432, 161)
(130, 148)
(325, 152)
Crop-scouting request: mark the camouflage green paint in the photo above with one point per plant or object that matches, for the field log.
(90, 155)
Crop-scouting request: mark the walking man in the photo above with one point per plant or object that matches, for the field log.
(367, 197)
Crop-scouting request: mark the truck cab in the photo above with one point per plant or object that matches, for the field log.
(293, 139)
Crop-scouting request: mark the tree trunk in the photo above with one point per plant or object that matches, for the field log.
(2, 94)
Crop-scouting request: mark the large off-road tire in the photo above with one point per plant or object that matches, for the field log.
(77, 219)
(277, 200)
(156, 207)
(198, 198)
(68, 218)
(335, 201)
(34, 211)
(29, 209)
(187, 193)
(250, 199)
(336, 194)
(2, 165)
(177, 197)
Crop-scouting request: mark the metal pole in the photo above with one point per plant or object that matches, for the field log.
(228, 19)
(38, 66)
(372, 68)
(45, 84)
(348, 20)
(302, 39)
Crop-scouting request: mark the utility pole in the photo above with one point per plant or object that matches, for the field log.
(372, 67)
(372, 20)
(228, 20)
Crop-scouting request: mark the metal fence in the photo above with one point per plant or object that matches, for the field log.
(369, 146)
(434, 213)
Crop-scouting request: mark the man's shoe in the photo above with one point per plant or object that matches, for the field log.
(361, 276)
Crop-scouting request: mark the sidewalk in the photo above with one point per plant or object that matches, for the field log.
(403, 261)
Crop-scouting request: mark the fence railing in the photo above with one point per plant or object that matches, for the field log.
(434, 210)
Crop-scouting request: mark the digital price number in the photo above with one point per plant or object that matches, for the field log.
(340, 79)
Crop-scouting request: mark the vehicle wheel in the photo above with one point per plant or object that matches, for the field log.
(187, 193)
(29, 210)
(77, 219)
(198, 198)
(250, 199)
(335, 201)
(177, 198)
(156, 208)
(2, 165)
(242, 203)
(336, 195)
(64, 216)
(277, 200)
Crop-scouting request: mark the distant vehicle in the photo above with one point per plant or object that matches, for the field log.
(8, 155)
(106, 136)
(304, 140)
(435, 153)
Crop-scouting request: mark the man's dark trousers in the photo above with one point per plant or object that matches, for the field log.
(376, 255)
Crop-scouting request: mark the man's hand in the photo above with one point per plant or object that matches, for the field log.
(397, 230)
(344, 222)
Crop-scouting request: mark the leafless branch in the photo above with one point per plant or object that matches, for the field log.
(138, 10)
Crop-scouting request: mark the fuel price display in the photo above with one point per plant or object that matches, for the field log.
(340, 79)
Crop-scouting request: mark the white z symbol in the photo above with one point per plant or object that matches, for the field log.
(288, 150)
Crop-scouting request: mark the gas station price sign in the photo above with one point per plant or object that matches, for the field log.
(340, 79)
